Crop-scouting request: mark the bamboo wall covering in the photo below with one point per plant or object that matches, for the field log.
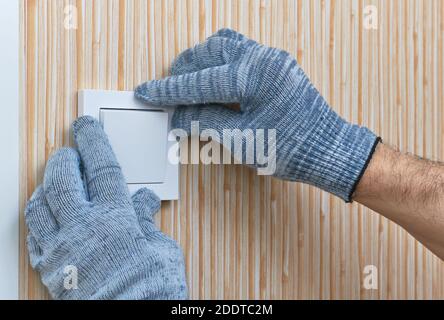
(246, 236)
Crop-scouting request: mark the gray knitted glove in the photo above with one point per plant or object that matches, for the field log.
(313, 144)
(109, 238)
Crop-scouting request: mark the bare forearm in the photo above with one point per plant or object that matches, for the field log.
(408, 191)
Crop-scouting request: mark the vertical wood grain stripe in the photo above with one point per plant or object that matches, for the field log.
(246, 236)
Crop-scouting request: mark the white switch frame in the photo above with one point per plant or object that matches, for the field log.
(91, 101)
(9, 145)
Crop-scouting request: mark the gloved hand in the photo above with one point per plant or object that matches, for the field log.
(109, 238)
(313, 144)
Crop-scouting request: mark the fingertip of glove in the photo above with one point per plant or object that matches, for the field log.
(147, 194)
(36, 199)
(226, 32)
(65, 157)
(148, 93)
(141, 92)
(64, 154)
(147, 197)
(38, 193)
(145, 91)
(83, 123)
(176, 122)
(181, 61)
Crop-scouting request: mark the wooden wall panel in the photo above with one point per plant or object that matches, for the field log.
(246, 236)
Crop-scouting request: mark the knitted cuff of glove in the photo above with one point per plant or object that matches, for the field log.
(343, 163)
(334, 156)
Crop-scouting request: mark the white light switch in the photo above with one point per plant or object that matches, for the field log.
(138, 134)
(139, 140)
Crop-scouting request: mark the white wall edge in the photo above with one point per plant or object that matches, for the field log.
(9, 149)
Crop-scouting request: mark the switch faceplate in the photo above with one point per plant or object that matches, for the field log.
(138, 134)
(139, 140)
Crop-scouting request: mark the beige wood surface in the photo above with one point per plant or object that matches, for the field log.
(246, 236)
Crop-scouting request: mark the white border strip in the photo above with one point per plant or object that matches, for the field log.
(9, 148)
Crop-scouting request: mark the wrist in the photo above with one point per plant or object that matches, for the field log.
(393, 177)
(371, 184)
